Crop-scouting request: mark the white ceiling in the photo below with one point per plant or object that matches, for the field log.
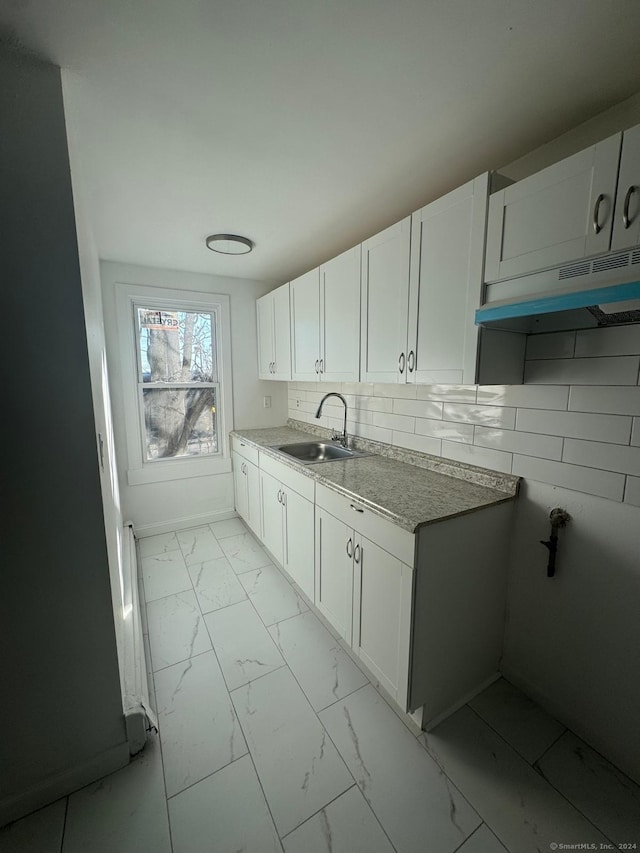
(308, 125)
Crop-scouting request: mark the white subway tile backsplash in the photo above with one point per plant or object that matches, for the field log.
(421, 443)
(373, 432)
(603, 483)
(619, 400)
(395, 422)
(526, 396)
(554, 345)
(546, 446)
(448, 393)
(496, 416)
(621, 370)
(619, 340)
(497, 460)
(408, 392)
(373, 404)
(632, 492)
(610, 428)
(635, 432)
(445, 430)
(363, 389)
(418, 408)
(609, 457)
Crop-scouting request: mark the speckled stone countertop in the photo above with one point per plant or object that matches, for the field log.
(410, 495)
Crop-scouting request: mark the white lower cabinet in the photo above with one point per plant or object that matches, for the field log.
(287, 521)
(424, 612)
(382, 588)
(334, 572)
(246, 480)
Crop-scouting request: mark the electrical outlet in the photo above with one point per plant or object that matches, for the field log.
(267, 402)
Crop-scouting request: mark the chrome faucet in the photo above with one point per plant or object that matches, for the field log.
(336, 435)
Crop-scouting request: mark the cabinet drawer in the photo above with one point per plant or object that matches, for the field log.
(384, 533)
(304, 486)
(249, 451)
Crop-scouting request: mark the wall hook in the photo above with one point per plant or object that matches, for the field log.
(558, 518)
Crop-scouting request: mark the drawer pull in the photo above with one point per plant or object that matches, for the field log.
(349, 548)
(401, 362)
(596, 212)
(317, 363)
(356, 508)
(625, 213)
(279, 496)
(356, 554)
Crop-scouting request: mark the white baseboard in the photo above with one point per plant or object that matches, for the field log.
(183, 523)
(51, 789)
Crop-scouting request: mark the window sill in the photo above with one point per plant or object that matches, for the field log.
(177, 469)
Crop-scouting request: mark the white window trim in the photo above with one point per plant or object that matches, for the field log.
(139, 470)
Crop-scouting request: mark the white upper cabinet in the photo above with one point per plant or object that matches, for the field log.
(264, 308)
(385, 303)
(305, 327)
(274, 335)
(447, 248)
(561, 214)
(325, 321)
(340, 318)
(626, 226)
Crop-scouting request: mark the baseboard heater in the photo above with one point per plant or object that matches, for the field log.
(138, 711)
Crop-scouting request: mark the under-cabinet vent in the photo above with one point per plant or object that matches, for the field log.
(574, 270)
(610, 262)
(635, 256)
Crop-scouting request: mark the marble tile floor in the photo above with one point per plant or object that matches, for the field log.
(271, 738)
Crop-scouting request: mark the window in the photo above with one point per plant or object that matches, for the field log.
(177, 382)
(176, 370)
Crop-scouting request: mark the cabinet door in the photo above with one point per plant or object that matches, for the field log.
(252, 483)
(447, 250)
(385, 303)
(548, 219)
(305, 327)
(340, 318)
(382, 591)
(626, 227)
(334, 572)
(299, 551)
(272, 524)
(264, 308)
(281, 333)
(240, 486)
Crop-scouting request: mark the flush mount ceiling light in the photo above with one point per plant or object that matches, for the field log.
(229, 244)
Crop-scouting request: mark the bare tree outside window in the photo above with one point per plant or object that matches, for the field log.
(179, 382)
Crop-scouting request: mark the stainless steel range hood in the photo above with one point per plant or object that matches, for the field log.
(604, 291)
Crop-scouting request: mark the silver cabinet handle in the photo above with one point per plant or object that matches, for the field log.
(279, 496)
(274, 366)
(356, 508)
(411, 361)
(356, 554)
(349, 548)
(625, 210)
(322, 365)
(317, 365)
(284, 499)
(596, 211)
(401, 362)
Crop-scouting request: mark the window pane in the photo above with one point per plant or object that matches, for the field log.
(180, 422)
(177, 346)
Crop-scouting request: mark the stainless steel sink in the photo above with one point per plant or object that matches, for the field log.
(317, 451)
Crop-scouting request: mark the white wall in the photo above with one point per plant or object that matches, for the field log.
(573, 433)
(61, 718)
(197, 500)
